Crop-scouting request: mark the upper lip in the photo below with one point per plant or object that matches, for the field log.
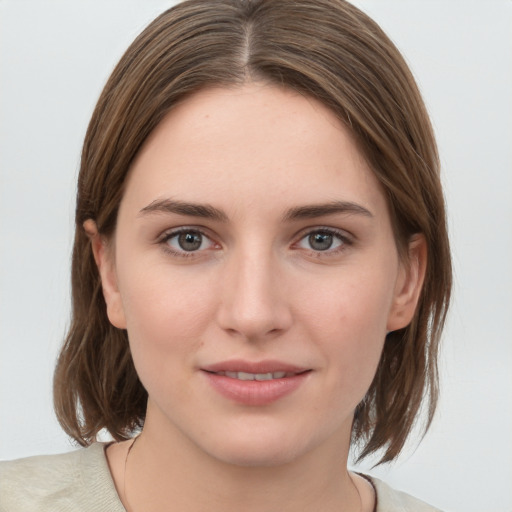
(268, 366)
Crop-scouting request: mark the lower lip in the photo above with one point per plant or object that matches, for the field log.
(254, 392)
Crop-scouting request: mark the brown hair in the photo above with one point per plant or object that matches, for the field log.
(326, 49)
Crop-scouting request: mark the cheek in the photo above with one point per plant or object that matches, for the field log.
(347, 317)
(166, 318)
(351, 304)
(156, 299)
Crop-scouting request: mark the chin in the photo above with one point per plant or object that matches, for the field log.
(252, 456)
(252, 447)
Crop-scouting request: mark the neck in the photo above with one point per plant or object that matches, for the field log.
(169, 469)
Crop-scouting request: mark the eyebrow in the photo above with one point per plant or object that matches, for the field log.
(331, 208)
(183, 208)
(297, 213)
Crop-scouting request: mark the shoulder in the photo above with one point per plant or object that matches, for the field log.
(391, 500)
(74, 481)
(27, 483)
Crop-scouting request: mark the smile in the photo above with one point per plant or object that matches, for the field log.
(255, 384)
(256, 376)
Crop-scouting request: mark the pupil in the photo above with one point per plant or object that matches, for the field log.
(320, 241)
(189, 241)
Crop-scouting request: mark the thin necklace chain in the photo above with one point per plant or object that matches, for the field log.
(129, 508)
(358, 493)
(125, 497)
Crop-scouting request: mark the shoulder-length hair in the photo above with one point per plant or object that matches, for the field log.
(325, 49)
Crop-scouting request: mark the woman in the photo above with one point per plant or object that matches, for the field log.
(261, 269)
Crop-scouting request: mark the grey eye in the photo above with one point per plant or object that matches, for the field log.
(320, 241)
(187, 242)
(190, 241)
(323, 240)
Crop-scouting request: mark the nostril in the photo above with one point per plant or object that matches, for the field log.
(252, 304)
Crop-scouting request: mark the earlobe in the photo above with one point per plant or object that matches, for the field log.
(409, 284)
(105, 262)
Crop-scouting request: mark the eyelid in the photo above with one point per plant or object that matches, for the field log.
(346, 238)
(180, 228)
(166, 235)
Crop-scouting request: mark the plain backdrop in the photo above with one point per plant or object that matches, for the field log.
(55, 57)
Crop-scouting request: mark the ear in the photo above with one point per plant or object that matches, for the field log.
(409, 284)
(104, 258)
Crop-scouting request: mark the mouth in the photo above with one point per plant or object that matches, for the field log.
(257, 376)
(255, 384)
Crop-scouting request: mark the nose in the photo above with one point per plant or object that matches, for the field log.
(254, 303)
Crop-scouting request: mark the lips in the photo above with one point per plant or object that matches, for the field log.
(256, 376)
(255, 383)
(254, 367)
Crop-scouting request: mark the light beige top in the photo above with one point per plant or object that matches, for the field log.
(80, 481)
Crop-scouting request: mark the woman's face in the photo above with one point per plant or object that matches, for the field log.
(255, 270)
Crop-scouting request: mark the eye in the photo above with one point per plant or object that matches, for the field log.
(187, 240)
(324, 240)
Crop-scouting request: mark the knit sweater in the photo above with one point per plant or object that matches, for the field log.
(80, 481)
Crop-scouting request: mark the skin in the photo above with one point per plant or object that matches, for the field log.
(257, 288)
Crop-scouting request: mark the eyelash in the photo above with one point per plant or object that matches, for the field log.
(343, 237)
(164, 241)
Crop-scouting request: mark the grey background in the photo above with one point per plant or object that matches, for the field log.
(54, 58)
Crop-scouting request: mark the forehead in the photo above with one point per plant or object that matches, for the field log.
(251, 145)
